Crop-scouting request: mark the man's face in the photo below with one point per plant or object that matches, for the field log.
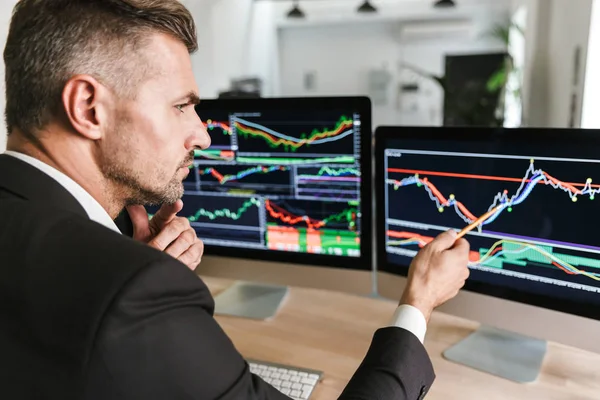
(149, 142)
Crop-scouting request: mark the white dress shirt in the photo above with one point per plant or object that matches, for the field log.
(411, 319)
(406, 316)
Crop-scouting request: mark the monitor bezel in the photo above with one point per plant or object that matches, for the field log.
(361, 105)
(473, 134)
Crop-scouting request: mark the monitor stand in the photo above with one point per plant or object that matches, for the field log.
(250, 300)
(502, 353)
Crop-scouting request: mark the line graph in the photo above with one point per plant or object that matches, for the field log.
(336, 172)
(224, 178)
(331, 183)
(217, 155)
(502, 201)
(223, 126)
(347, 217)
(274, 139)
(506, 250)
(538, 236)
(218, 218)
(218, 127)
(225, 212)
(254, 180)
(297, 161)
(278, 179)
(274, 136)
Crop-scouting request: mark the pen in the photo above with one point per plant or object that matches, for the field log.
(478, 221)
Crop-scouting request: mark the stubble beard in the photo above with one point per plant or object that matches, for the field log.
(135, 178)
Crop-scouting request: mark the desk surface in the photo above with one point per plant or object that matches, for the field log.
(331, 332)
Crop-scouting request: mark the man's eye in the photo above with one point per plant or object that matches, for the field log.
(181, 107)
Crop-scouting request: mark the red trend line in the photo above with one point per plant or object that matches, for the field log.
(445, 201)
(473, 255)
(277, 212)
(563, 268)
(409, 235)
(217, 175)
(569, 185)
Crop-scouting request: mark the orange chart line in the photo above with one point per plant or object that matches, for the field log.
(423, 240)
(221, 125)
(484, 177)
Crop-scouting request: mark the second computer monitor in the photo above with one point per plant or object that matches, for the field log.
(282, 180)
(539, 246)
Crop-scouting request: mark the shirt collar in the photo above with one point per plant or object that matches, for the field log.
(93, 209)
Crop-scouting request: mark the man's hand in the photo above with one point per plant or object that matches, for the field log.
(167, 232)
(437, 273)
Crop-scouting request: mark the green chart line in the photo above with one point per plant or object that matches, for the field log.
(225, 212)
(300, 161)
(338, 172)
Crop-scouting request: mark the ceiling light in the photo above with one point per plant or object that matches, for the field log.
(296, 12)
(444, 3)
(366, 7)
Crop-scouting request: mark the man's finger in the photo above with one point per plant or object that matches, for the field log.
(170, 233)
(165, 214)
(140, 222)
(461, 245)
(443, 241)
(193, 255)
(183, 242)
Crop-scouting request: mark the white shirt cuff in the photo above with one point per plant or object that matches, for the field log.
(412, 319)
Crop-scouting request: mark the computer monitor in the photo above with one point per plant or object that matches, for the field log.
(282, 182)
(539, 248)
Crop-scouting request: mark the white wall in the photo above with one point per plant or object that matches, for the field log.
(569, 28)
(340, 56)
(230, 21)
(202, 60)
(236, 39)
(6, 7)
(555, 28)
(534, 71)
(591, 101)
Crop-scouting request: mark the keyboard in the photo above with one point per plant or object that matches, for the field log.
(297, 383)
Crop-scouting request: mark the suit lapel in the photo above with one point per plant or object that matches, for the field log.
(25, 181)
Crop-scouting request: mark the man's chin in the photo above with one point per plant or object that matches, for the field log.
(160, 197)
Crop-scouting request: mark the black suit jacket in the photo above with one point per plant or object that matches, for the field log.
(86, 313)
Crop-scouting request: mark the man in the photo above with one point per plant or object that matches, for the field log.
(100, 116)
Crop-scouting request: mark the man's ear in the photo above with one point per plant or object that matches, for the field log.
(80, 99)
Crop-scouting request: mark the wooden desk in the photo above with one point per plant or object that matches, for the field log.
(331, 332)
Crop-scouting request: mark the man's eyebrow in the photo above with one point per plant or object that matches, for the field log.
(191, 97)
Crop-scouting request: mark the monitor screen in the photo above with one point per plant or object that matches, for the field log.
(284, 176)
(538, 244)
